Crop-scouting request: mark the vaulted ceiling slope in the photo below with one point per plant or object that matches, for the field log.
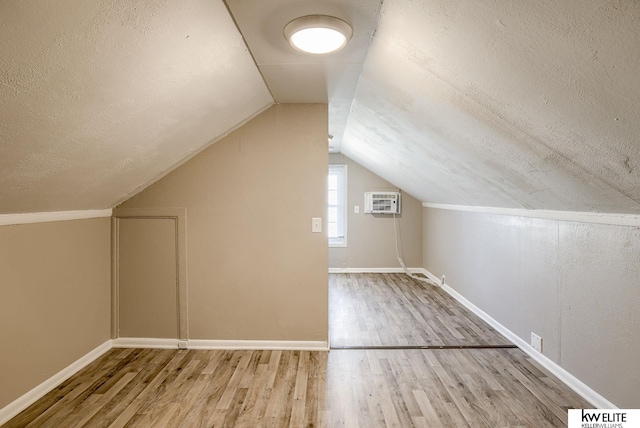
(532, 104)
(99, 98)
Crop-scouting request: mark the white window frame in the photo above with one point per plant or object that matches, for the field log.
(341, 171)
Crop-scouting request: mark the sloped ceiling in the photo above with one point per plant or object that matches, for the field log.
(99, 98)
(487, 103)
(500, 103)
(295, 77)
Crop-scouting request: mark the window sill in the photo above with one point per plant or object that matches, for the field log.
(338, 244)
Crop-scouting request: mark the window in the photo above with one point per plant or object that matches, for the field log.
(337, 214)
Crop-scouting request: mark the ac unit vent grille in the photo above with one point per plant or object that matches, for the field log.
(382, 202)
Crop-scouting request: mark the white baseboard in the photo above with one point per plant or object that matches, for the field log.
(429, 275)
(294, 345)
(143, 342)
(41, 390)
(570, 380)
(298, 345)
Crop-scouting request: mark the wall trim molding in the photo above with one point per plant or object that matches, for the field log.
(292, 345)
(375, 270)
(567, 378)
(28, 218)
(433, 278)
(289, 345)
(145, 342)
(574, 216)
(18, 405)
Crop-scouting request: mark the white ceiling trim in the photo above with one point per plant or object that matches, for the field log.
(28, 218)
(576, 216)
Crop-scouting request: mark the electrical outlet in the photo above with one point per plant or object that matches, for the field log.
(442, 280)
(536, 342)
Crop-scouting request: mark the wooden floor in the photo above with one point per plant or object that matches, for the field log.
(477, 387)
(396, 310)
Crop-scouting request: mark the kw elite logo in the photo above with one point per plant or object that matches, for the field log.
(604, 418)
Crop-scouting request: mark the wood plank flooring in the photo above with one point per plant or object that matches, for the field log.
(395, 310)
(444, 388)
(352, 388)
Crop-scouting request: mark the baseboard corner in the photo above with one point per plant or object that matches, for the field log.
(15, 407)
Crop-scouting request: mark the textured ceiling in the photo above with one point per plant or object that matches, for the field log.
(501, 103)
(99, 98)
(487, 103)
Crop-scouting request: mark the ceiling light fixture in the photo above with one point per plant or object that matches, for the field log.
(318, 34)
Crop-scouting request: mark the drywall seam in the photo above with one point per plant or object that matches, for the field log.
(567, 378)
(297, 345)
(27, 218)
(581, 217)
(17, 406)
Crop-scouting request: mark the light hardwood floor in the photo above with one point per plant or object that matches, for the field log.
(352, 387)
(395, 310)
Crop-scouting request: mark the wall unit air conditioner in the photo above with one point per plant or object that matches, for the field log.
(382, 202)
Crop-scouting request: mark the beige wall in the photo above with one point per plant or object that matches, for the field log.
(573, 283)
(255, 271)
(370, 239)
(55, 305)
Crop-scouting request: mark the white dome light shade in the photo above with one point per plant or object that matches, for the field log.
(318, 34)
(318, 40)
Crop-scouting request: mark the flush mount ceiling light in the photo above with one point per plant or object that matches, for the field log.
(318, 34)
